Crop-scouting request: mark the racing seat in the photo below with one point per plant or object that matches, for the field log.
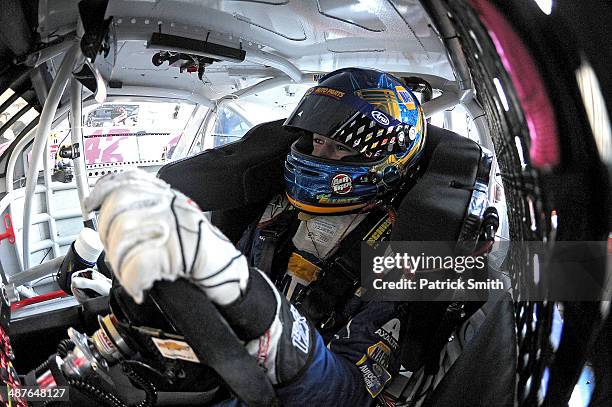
(237, 181)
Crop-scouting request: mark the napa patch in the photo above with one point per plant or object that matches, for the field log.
(375, 376)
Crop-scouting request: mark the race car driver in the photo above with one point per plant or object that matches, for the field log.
(292, 293)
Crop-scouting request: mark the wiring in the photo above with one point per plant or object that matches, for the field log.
(45, 256)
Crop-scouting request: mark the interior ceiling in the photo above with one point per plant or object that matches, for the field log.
(309, 35)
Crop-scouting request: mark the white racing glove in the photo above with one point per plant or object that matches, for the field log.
(152, 232)
(98, 283)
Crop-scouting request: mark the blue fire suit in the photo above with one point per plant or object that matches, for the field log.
(351, 370)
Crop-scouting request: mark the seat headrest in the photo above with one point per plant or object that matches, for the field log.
(436, 207)
(237, 174)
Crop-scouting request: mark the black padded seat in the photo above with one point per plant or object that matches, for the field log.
(236, 174)
(436, 207)
(237, 180)
(485, 373)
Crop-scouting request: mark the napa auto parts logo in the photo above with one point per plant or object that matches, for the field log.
(342, 184)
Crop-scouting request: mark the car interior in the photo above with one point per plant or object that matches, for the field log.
(516, 97)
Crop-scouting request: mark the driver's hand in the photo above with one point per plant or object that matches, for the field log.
(152, 232)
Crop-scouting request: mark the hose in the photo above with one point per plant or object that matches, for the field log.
(105, 398)
(102, 396)
(128, 367)
(108, 399)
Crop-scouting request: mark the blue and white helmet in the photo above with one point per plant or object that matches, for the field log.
(369, 111)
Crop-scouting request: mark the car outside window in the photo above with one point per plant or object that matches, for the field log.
(136, 133)
(230, 126)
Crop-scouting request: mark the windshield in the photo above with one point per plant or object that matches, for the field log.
(130, 132)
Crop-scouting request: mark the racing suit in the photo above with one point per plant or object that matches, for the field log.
(354, 365)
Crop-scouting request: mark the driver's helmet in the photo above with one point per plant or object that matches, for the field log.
(369, 111)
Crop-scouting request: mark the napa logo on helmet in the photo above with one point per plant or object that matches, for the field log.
(341, 184)
(405, 98)
(380, 117)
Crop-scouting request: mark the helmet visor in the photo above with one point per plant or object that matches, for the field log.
(320, 114)
(325, 110)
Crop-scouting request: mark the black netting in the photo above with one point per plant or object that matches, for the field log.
(554, 341)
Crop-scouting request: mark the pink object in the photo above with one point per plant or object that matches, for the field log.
(530, 89)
